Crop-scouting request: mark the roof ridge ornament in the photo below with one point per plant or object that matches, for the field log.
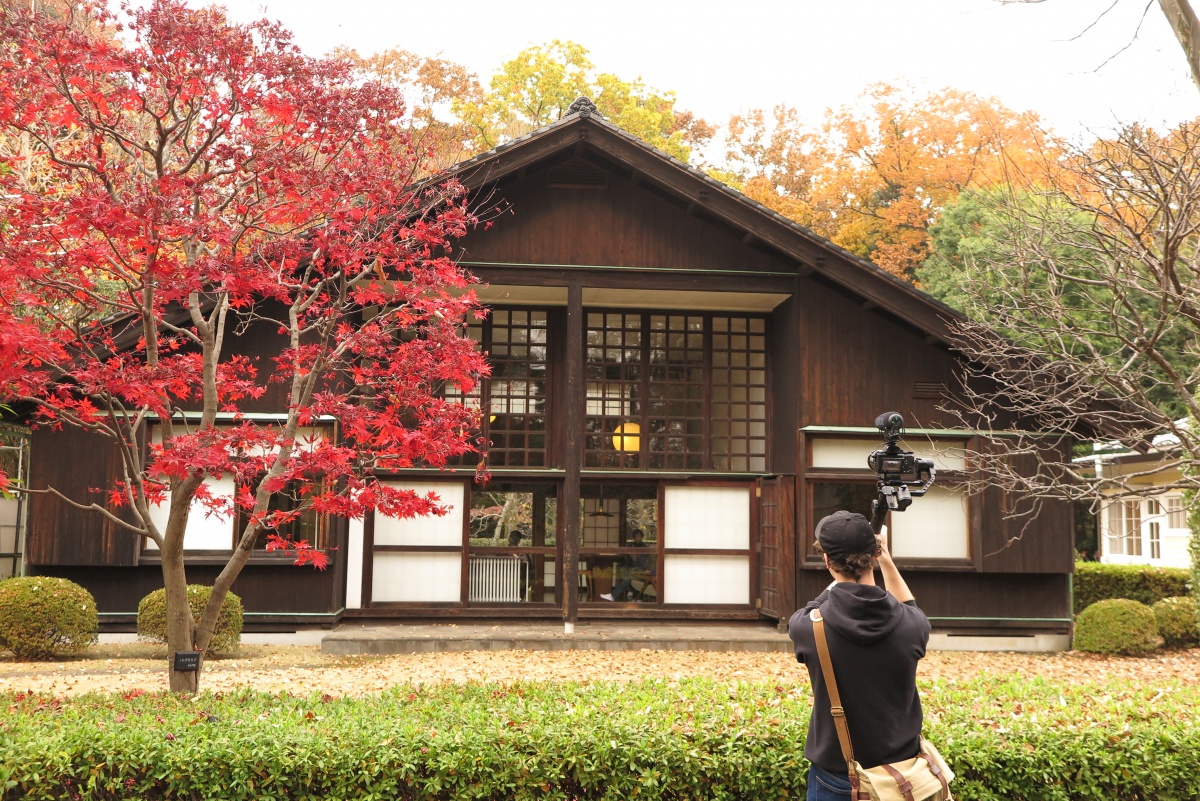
(584, 107)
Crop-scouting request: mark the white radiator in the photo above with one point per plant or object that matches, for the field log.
(498, 579)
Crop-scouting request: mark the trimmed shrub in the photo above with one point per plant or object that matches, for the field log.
(1116, 626)
(227, 637)
(1006, 738)
(1177, 621)
(42, 617)
(1148, 585)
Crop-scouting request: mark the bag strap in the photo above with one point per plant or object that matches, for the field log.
(935, 770)
(835, 701)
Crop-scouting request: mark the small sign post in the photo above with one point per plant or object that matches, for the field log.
(187, 661)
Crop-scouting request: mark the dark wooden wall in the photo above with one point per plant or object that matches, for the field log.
(75, 463)
(995, 601)
(266, 589)
(856, 363)
(785, 344)
(622, 225)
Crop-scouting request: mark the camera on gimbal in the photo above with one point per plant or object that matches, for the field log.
(901, 474)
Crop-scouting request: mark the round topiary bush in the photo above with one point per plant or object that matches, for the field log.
(42, 617)
(1177, 621)
(1116, 626)
(152, 617)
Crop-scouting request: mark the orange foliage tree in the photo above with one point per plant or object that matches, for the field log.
(430, 86)
(874, 175)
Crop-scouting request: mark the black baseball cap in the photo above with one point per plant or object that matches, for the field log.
(843, 533)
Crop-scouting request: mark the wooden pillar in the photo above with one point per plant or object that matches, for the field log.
(572, 439)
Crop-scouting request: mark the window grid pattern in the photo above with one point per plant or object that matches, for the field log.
(516, 390)
(1127, 528)
(472, 399)
(1154, 515)
(691, 388)
(675, 422)
(613, 374)
(1176, 516)
(739, 387)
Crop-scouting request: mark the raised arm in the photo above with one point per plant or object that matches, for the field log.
(893, 582)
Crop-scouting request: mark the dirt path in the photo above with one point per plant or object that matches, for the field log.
(303, 669)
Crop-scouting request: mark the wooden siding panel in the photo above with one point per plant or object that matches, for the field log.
(856, 364)
(784, 345)
(623, 226)
(268, 589)
(1022, 535)
(1006, 598)
(75, 462)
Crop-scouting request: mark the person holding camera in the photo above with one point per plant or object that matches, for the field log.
(876, 635)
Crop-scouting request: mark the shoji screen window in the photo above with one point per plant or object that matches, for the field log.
(706, 544)
(419, 559)
(676, 392)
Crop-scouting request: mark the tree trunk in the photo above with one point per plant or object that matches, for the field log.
(180, 626)
(179, 621)
(1183, 21)
(1190, 500)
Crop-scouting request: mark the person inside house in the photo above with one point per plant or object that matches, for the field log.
(630, 568)
(876, 636)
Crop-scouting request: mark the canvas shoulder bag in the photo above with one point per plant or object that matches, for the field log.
(925, 777)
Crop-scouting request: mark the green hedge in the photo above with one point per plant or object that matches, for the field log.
(1148, 585)
(696, 739)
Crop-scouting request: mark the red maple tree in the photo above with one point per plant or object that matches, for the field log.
(202, 182)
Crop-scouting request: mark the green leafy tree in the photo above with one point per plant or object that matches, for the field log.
(978, 248)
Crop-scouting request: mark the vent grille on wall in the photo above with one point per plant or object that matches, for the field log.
(935, 390)
(577, 174)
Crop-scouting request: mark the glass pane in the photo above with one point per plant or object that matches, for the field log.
(829, 497)
(513, 517)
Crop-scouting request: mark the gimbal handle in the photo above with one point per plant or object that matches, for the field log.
(879, 510)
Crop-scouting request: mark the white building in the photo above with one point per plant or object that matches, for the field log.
(1148, 529)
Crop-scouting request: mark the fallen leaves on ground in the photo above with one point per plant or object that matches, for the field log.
(116, 668)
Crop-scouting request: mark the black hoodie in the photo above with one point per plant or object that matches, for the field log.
(874, 643)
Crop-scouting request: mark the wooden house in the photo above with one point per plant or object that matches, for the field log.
(668, 356)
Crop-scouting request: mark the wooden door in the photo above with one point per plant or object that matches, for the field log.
(777, 547)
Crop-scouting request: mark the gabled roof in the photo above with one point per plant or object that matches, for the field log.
(583, 130)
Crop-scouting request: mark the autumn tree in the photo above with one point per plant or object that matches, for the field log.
(873, 176)
(775, 161)
(431, 87)
(18, 147)
(538, 85)
(222, 185)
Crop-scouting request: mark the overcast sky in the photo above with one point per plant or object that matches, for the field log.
(1083, 69)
